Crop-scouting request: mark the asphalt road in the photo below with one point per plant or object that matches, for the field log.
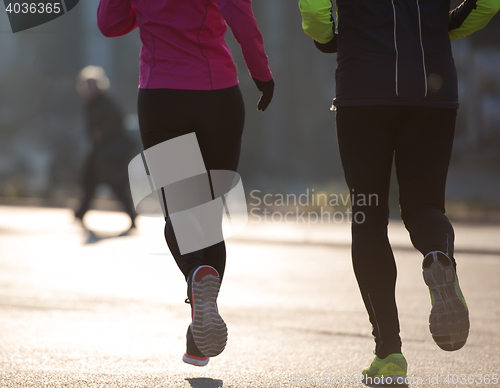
(81, 311)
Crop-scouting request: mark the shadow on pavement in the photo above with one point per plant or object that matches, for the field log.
(204, 382)
(93, 238)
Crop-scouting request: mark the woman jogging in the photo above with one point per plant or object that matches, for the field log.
(188, 83)
(397, 98)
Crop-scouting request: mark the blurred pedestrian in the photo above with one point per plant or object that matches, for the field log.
(112, 149)
(397, 97)
(188, 83)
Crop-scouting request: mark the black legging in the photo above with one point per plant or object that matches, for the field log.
(217, 118)
(421, 141)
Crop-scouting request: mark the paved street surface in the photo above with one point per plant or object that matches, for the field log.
(103, 311)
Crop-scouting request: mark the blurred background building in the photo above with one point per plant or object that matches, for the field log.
(290, 147)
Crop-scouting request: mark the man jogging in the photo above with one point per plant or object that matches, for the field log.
(396, 97)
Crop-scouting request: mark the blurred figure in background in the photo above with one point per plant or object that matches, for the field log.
(111, 149)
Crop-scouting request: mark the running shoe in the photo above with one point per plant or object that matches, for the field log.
(387, 372)
(208, 328)
(449, 317)
(193, 355)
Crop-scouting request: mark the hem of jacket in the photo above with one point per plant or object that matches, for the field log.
(187, 86)
(399, 101)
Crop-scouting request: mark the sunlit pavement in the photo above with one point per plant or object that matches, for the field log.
(79, 311)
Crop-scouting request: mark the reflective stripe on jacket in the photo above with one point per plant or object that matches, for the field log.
(395, 52)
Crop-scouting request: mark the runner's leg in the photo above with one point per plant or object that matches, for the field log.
(366, 142)
(217, 118)
(423, 152)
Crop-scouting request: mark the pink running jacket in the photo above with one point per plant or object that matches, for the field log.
(183, 43)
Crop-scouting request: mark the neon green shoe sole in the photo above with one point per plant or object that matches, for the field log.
(389, 371)
(449, 317)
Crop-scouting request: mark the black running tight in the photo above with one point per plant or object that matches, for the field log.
(217, 118)
(420, 139)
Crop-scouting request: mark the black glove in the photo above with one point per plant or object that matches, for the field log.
(329, 48)
(267, 89)
(459, 14)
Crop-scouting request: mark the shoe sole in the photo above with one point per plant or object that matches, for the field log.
(196, 361)
(449, 317)
(208, 327)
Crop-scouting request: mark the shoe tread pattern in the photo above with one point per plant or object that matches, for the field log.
(449, 317)
(208, 328)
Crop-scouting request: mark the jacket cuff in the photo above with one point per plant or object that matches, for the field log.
(329, 48)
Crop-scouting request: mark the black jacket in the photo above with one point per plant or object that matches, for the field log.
(395, 52)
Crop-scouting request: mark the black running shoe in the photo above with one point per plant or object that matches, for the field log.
(449, 318)
(208, 328)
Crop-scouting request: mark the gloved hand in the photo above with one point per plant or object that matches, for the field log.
(459, 14)
(267, 89)
(329, 48)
